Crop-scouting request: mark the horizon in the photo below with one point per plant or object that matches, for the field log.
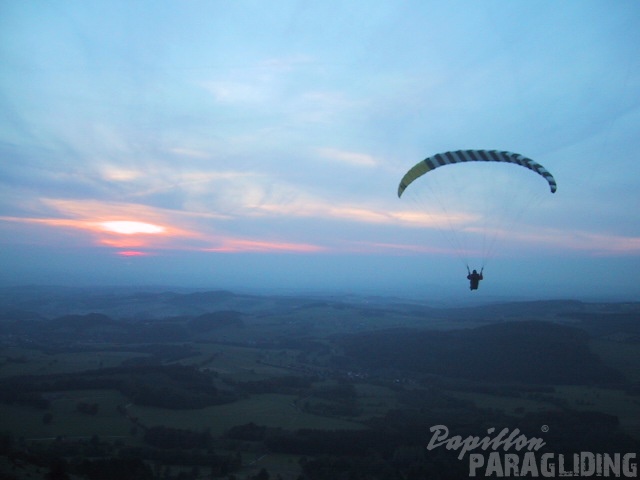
(444, 299)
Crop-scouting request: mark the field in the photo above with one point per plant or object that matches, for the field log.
(66, 420)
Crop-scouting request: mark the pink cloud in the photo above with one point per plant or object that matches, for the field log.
(132, 253)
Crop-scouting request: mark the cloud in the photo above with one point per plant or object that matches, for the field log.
(132, 226)
(190, 153)
(279, 94)
(235, 245)
(234, 92)
(128, 227)
(260, 82)
(116, 174)
(349, 158)
(400, 248)
(595, 244)
(330, 108)
(602, 244)
(132, 253)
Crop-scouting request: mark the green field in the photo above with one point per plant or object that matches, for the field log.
(511, 405)
(270, 410)
(22, 361)
(66, 420)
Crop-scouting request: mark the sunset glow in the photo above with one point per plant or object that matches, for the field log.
(131, 228)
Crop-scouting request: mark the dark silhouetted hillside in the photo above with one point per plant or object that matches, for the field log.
(527, 352)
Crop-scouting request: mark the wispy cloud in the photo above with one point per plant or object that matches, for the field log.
(399, 248)
(190, 153)
(131, 226)
(349, 158)
(240, 92)
(117, 174)
(599, 244)
(235, 245)
(260, 82)
(590, 242)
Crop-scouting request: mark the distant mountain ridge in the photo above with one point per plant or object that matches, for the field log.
(171, 310)
(57, 301)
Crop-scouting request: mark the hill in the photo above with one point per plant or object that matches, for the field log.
(522, 352)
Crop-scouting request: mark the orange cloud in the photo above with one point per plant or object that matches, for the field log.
(133, 228)
(122, 226)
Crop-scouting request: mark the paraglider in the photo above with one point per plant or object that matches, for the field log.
(460, 156)
(474, 279)
(489, 186)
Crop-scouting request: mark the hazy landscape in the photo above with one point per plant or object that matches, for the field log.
(161, 384)
(313, 186)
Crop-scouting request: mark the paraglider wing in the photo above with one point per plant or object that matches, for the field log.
(459, 156)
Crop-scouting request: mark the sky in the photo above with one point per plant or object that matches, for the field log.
(259, 145)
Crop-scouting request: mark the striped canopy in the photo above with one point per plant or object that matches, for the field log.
(459, 156)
